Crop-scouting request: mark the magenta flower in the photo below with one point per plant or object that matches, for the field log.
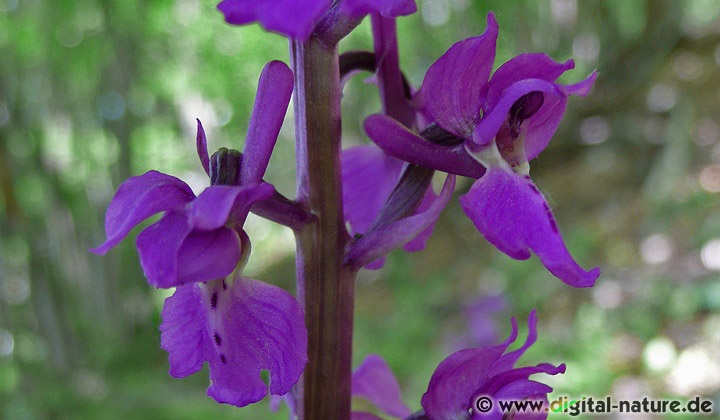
(502, 123)
(238, 325)
(458, 381)
(297, 18)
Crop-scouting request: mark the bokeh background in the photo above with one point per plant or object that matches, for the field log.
(94, 91)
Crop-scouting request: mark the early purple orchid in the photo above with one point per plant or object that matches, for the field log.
(297, 18)
(459, 380)
(240, 326)
(501, 123)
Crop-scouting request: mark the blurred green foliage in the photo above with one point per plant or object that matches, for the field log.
(94, 91)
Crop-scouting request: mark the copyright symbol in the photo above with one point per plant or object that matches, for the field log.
(483, 404)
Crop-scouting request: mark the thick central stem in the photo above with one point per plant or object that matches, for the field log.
(325, 286)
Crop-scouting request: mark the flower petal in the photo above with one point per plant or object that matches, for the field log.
(396, 140)
(216, 204)
(454, 86)
(368, 177)
(377, 243)
(202, 150)
(374, 381)
(386, 8)
(523, 66)
(513, 215)
(206, 255)
(294, 18)
(183, 331)
(172, 254)
(139, 198)
(273, 96)
(542, 125)
(456, 381)
(418, 243)
(158, 246)
(255, 327)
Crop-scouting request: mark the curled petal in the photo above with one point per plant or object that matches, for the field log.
(183, 331)
(386, 8)
(294, 18)
(396, 140)
(454, 86)
(456, 381)
(374, 381)
(508, 360)
(368, 177)
(510, 212)
(523, 66)
(273, 96)
(377, 243)
(254, 326)
(202, 150)
(542, 125)
(504, 379)
(139, 198)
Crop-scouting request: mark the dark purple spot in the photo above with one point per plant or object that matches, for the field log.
(213, 300)
(224, 285)
(534, 188)
(217, 338)
(223, 360)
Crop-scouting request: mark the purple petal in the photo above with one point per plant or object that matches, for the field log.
(374, 381)
(502, 380)
(524, 66)
(216, 204)
(377, 243)
(294, 18)
(542, 125)
(273, 96)
(207, 255)
(453, 88)
(158, 246)
(386, 8)
(183, 331)
(398, 141)
(508, 360)
(456, 381)
(368, 177)
(418, 244)
(139, 198)
(255, 326)
(522, 389)
(513, 215)
(172, 254)
(202, 150)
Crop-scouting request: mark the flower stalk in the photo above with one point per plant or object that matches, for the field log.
(325, 285)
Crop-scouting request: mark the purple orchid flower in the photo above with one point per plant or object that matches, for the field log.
(240, 326)
(486, 371)
(297, 18)
(458, 381)
(503, 122)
